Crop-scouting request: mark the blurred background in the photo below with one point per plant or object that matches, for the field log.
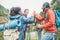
(32, 5)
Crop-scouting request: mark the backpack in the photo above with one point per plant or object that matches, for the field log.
(57, 15)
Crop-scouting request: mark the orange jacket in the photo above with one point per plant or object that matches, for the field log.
(49, 24)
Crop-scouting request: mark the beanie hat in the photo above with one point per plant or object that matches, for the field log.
(46, 4)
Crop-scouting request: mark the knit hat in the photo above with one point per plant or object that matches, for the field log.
(46, 4)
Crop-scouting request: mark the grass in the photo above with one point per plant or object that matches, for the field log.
(32, 35)
(1, 35)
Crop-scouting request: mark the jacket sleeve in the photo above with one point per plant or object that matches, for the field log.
(11, 25)
(39, 18)
(1, 27)
(28, 20)
(51, 22)
(14, 17)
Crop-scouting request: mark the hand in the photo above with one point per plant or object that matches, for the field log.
(38, 26)
(34, 13)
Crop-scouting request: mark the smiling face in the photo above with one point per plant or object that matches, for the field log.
(26, 11)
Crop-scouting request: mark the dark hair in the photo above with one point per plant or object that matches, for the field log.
(25, 10)
(14, 10)
(17, 9)
(46, 4)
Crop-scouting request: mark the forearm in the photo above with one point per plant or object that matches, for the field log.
(11, 25)
(39, 18)
(47, 25)
(29, 20)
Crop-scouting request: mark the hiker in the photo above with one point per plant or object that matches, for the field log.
(39, 30)
(49, 24)
(20, 21)
(26, 12)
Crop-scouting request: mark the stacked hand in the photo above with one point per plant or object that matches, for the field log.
(34, 13)
(38, 26)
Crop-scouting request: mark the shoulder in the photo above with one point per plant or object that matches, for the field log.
(14, 17)
(22, 17)
(50, 12)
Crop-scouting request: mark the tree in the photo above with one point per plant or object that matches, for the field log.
(56, 5)
(4, 13)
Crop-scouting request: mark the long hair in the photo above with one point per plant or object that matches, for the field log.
(12, 11)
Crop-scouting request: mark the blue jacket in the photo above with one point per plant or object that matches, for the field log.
(20, 22)
(25, 20)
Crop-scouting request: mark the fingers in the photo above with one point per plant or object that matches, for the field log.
(34, 13)
(38, 26)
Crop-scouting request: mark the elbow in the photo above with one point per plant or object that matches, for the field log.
(32, 20)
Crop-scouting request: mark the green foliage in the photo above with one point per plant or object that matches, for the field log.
(3, 11)
(3, 14)
(1, 35)
(56, 5)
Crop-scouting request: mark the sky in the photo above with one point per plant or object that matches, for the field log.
(24, 4)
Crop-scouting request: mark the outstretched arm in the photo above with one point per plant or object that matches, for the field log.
(11, 25)
(51, 21)
(28, 20)
(39, 18)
